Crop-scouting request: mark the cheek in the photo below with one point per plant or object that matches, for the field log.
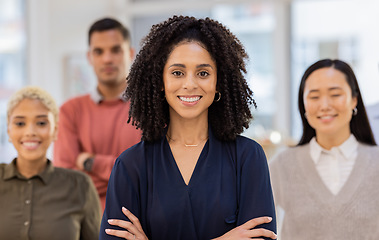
(309, 107)
(171, 85)
(344, 105)
(13, 133)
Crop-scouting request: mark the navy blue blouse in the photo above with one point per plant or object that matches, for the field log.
(229, 186)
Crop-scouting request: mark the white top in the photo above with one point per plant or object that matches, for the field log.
(334, 166)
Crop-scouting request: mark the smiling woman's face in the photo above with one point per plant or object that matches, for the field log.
(329, 103)
(189, 78)
(31, 128)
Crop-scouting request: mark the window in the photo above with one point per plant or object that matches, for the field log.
(12, 63)
(335, 29)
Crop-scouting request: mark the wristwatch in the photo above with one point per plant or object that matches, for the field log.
(88, 164)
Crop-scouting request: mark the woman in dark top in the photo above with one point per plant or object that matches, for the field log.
(192, 176)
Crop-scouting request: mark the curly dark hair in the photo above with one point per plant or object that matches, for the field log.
(149, 110)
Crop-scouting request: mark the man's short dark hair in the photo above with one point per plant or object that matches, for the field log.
(105, 24)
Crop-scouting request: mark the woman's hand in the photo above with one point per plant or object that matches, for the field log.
(245, 230)
(133, 228)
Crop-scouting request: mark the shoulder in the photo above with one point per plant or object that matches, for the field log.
(366, 147)
(372, 151)
(249, 151)
(77, 101)
(2, 166)
(72, 176)
(288, 156)
(369, 154)
(246, 143)
(133, 156)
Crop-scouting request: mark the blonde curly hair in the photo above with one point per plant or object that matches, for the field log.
(33, 92)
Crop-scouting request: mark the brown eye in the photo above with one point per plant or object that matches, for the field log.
(97, 51)
(177, 73)
(42, 123)
(116, 50)
(19, 124)
(203, 74)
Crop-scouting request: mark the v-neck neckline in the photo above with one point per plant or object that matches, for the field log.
(197, 165)
(317, 185)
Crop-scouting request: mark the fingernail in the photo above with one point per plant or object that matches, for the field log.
(269, 218)
(124, 209)
(107, 230)
(110, 220)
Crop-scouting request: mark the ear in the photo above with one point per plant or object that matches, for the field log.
(89, 57)
(354, 102)
(132, 53)
(55, 133)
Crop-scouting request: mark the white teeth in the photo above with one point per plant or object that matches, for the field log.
(30, 144)
(192, 99)
(326, 117)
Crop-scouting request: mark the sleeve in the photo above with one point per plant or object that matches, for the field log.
(102, 166)
(256, 199)
(67, 146)
(92, 212)
(122, 192)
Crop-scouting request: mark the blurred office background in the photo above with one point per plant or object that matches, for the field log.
(44, 43)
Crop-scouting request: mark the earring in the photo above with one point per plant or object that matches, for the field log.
(219, 97)
(306, 115)
(355, 111)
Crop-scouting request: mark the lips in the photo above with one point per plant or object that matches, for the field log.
(109, 69)
(189, 99)
(30, 145)
(327, 118)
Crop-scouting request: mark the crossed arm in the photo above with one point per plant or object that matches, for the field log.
(133, 229)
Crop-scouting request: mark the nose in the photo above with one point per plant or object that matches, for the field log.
(190, 82)
(324, 102)
(30, 130)
(107, 57)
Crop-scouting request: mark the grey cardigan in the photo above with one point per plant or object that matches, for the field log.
(312, 212)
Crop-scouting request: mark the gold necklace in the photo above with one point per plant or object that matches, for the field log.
(187, 145)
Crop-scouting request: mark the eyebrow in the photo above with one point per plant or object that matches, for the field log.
(334, 88)
(329, 89)
(198, 66)
(38, 116)
(102, 48)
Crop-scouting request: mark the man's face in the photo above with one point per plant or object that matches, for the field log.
(111, 56)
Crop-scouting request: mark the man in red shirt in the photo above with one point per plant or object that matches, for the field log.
(92, 128)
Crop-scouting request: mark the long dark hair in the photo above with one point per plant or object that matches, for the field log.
(359, 124)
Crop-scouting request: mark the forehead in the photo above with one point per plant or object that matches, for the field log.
(190, 51)
(29, 107)
(326, 78)
(107, 38)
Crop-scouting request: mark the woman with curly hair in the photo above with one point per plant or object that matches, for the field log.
(192, 176)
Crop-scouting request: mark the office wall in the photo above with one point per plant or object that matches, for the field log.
(58, 29)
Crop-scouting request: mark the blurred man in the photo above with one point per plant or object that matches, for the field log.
(92, 128)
